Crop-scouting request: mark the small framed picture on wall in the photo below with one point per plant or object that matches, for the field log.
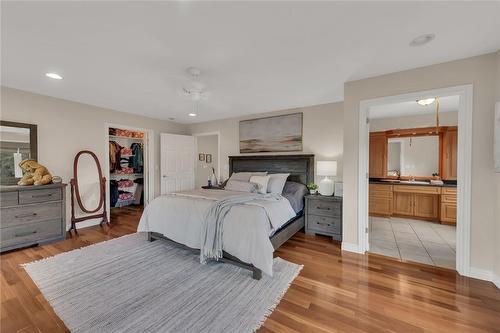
(201, 157)
(208, 158)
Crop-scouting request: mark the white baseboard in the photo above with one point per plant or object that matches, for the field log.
(351, 247)
(496, 281)
(485, 275)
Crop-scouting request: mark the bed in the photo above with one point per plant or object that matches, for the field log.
(250, 243)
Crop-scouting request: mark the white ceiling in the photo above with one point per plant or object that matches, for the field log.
(254, 56)
(411, 108)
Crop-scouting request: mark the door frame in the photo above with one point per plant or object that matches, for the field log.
(149, 162)
(196, 135)
(464, 166)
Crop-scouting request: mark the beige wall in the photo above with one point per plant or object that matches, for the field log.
(65, 128)
(479, 71)
(206, 144)
(428, 120)
(322, 133)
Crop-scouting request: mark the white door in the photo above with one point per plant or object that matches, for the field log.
(177, 162)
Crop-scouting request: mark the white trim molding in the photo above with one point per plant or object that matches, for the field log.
(351, 247)
(464, 166)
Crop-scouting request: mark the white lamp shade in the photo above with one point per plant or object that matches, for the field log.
(327, 168)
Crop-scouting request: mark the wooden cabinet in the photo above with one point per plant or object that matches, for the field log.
(380, 200)
(449, 154)
(449, 206)
(426, 206)
(403, 203)
(378, 155)
(417, 201)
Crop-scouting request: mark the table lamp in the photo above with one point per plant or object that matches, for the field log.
(326, 169)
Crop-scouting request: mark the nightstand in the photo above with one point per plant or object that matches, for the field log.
(324, 216)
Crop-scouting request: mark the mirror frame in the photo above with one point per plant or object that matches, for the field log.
(75, 177)
(33, 135)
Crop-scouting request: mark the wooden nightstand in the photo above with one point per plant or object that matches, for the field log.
(324, 216)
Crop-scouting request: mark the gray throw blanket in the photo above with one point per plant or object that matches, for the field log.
(211, 231)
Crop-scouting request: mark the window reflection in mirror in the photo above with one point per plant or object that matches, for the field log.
(416, 156)
(15, 145)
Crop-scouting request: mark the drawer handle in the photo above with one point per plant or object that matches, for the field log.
(322, 208)
(327, 224)
(41, 195)
(25, 215)
(26, 234)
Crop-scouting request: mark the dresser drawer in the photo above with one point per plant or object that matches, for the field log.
(8, 199)
(15, 216)
(451, 198)
(30, 233)
(323, 207)
(42, 195)
(331, 225)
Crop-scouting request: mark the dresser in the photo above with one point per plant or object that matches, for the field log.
(31, 215)
(324, 216)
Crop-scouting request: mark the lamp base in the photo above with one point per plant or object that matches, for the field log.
(325, 186)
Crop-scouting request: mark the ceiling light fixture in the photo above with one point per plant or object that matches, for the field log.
(422, 39)
(54, 76)
(426, 101)
(192, 114)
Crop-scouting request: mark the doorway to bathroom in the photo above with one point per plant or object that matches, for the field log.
(414, 177)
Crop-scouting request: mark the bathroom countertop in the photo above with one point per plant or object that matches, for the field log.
(396, 182)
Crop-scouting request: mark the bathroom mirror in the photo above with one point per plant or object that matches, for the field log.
(18, 141)
(87, 187)
(415, 156)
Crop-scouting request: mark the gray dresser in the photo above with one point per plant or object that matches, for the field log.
(31, 215)
(324, 216)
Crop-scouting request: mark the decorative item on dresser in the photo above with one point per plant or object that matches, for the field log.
(324, 216)
(32, 215)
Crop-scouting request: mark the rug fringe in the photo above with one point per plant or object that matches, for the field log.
(276, 302)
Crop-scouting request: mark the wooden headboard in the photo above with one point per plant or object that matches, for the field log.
(300, 167)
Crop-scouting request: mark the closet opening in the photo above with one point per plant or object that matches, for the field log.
(128, 171)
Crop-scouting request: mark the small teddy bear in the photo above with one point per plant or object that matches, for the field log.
(34, 173)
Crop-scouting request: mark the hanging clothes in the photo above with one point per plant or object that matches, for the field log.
(136, 161)
(114, 156)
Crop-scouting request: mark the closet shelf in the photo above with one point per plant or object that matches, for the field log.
(118, 175)
(116, 137)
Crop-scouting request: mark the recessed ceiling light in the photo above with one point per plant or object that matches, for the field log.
(54, 76)
(426, 101)
(422, 39)
(192, 114)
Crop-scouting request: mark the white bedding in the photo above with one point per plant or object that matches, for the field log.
(246, 228)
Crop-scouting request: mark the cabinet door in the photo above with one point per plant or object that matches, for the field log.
(449, 213)
(380, 206)
(378, 156)
(450, 141)
(426, 205)
(403, 203)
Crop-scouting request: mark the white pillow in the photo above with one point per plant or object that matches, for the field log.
(261, 182)
(240, 186)
(277, 182)
(245, 176)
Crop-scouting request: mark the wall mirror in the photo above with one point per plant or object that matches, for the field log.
(413, 156)
(18, 141)
(87, 189)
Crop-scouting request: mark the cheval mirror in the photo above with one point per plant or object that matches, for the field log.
(87, 190)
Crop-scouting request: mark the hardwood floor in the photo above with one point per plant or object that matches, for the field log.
(335, 292)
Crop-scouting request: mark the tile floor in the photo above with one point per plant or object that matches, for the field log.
(413, 240)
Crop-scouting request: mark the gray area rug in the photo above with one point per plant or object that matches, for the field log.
(131, 285)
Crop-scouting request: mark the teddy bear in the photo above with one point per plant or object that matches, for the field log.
(34, 173)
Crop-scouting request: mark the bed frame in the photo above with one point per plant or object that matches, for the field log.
(301, 169)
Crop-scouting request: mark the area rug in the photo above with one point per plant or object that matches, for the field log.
(131, 285)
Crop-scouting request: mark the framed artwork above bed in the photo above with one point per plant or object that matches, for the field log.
(271, 134)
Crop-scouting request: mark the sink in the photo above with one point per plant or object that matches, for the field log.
(421, 182)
